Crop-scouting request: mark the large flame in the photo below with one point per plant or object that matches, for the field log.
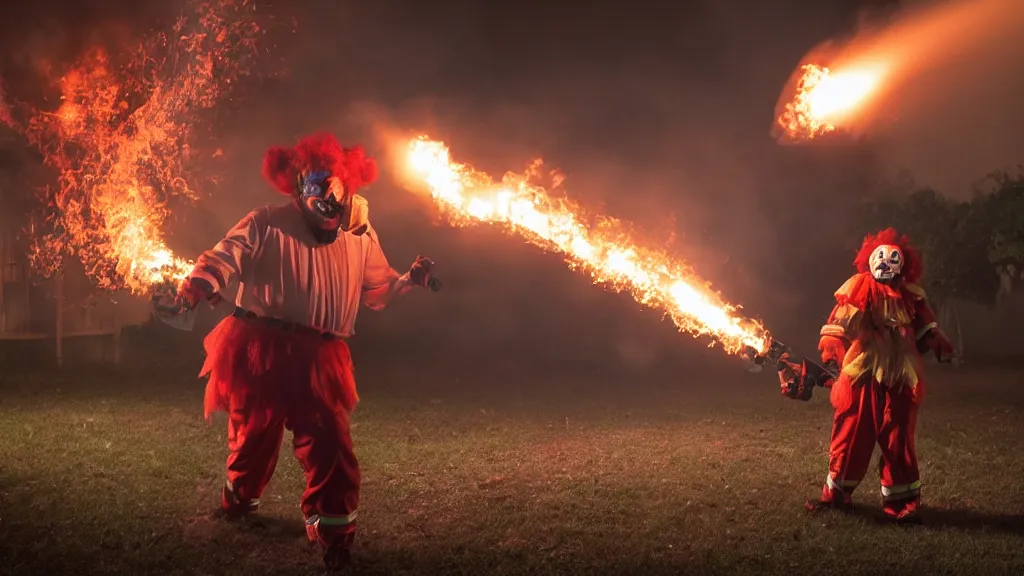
(824, 98)
(120, 142)
(844, 85)
(606, 252)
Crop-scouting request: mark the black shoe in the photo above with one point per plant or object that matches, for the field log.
(337, 559)
(232, 507)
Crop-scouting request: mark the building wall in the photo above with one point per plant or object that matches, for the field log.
(15, 292)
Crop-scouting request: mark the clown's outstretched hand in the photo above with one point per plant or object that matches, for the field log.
(176, 305)
(170, 300)
(421, 273)
(943, 348)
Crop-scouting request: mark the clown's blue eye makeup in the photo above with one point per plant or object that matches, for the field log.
(314, 184)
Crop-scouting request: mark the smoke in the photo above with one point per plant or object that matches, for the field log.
(6, 118)
(656, 119)
(959, 115)
(948, 110)
(657, 122)
(660, 133)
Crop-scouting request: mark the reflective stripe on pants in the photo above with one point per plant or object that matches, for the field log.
(843, 485)
(901, 491)
(321, 520)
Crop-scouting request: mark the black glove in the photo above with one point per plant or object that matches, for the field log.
(832, 366)
(193, 290)
(421, 273)
(793, 379)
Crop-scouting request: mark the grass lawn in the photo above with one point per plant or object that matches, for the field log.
(115, 472)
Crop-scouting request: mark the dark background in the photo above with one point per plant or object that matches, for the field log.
(658, 114)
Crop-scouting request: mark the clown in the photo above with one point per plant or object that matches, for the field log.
(874, 340)
(303, 268)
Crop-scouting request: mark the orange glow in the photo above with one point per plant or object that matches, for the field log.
(605, 251)
(840, 85)
(6, 119)
(824, 98)
(119, 142)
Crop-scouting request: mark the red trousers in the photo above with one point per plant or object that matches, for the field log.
(269, 379)
(868, 413)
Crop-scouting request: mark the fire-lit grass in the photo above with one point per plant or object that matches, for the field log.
(633, 477)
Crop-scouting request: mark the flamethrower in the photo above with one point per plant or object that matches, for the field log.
(171, 310)
(798, 376)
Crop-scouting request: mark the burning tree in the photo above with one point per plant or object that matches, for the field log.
(120, 143)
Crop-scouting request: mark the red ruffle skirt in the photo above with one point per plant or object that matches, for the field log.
(271, 368)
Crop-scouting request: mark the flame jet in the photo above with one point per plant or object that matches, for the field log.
(605, 251)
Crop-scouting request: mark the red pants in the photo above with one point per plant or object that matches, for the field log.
(867, 413)
(269, 379)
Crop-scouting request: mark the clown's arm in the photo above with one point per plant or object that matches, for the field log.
(927, 333)
(219, 267)
(835, 336)
(382, 283)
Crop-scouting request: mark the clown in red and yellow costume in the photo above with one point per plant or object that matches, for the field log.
(875, 337)
(303, 268)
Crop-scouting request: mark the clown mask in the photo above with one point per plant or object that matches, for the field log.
(328, 206)
(886, 263)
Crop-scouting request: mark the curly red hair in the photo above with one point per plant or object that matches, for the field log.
(282, 166)
(912, 267)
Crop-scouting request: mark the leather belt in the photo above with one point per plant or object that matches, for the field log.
(285, 325)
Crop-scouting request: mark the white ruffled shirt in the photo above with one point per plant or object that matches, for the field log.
(284, 273)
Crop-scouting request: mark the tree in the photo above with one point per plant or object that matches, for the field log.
(954, 239)
(1001, 214)
(945, 233)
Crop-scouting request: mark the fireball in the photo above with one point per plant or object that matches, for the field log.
(824, 99)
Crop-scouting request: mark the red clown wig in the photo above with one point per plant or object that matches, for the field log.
(912, 267)
(282, 166)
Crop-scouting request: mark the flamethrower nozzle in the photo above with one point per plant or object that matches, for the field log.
(771, 357)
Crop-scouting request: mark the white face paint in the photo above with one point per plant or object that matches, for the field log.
(886, 262)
